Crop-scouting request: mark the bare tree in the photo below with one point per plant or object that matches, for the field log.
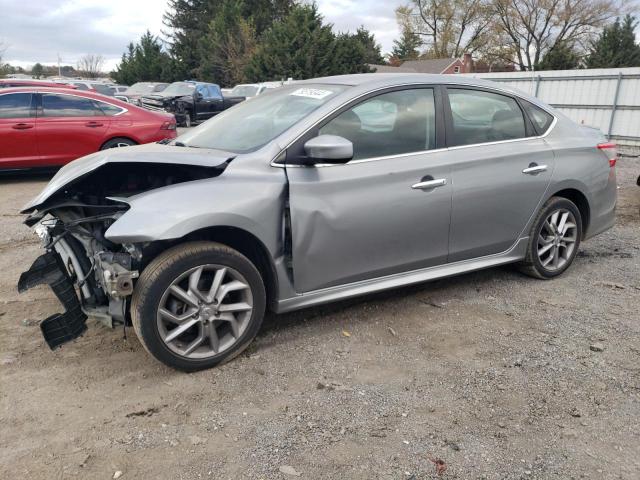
(448, 28)
(91, 65)
(527, 29)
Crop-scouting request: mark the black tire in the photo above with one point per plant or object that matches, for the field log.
(532, 265)
(160, 274)
(118, 142)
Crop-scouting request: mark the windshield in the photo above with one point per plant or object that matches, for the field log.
(244, 91)
(141, 87)
(180, 88)
(249, 125)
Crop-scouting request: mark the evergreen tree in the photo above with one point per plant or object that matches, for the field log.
(372, 53)
(228, 46)
(144, 62)
(616, 46)
(561, 57)
(187, 21)
(37, 70)
(301, 46)
(406, 47)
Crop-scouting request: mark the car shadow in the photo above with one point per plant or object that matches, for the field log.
(22, 176)
(440, 287)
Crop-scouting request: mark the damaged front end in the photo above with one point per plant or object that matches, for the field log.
(79, 257)
(90, 275)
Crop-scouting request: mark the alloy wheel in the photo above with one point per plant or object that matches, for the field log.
(204, 311)
(557, 239)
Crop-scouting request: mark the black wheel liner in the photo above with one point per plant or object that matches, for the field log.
(59, 328)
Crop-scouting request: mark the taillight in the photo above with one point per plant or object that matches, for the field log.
(610, 150)
(168, 125)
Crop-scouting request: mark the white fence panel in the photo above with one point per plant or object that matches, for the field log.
(608, 99)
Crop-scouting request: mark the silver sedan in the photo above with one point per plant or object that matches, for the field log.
(310, 193)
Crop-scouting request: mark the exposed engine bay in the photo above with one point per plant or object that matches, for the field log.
(90, 275)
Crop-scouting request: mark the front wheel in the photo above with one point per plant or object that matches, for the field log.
(197, 305)
(554, 239)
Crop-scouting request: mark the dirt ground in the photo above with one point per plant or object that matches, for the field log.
(493, 373)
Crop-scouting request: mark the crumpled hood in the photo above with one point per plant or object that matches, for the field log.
(150, 153)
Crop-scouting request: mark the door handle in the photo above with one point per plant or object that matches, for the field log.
(93, 124)
(534, 169)
(22, 126)
(429, 184)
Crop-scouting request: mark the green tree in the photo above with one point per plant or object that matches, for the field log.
(37, 70)
(561, 57)
(406, 47)
(187, 21)
(195, 27)
(301, 46)
(372, 53)
(228, 46)
(143, 62)
(616, 47)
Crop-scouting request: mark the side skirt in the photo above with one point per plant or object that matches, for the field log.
(341, 292)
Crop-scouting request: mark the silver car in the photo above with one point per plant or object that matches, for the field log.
(310, 193)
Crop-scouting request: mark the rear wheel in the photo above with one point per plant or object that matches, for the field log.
(197, 305)
(554, 239)
(117, 143)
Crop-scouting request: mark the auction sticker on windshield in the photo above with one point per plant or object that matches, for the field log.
(311, 93)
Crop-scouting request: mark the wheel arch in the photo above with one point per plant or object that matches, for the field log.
(237, 238)
(581, 201)
(114, 137)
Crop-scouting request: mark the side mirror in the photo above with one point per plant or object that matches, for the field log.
(328, 149)
(199, 96)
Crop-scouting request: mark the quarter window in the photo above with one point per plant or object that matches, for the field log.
(393, 123)
(480, 117)
(108, 109)
(15, 105)
(68, 106)
(541, 119)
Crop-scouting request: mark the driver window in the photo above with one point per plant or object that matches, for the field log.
(393, 123)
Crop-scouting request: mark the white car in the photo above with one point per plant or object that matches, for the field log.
(250, 90)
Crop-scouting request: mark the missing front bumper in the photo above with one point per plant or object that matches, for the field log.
(61, 327)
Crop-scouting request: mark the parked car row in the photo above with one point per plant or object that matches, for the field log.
(190, 101)
(45, 127)
(43, 124)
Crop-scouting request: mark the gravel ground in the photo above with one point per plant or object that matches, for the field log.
(492, 374)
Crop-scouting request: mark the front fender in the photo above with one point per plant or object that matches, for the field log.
(251, 204)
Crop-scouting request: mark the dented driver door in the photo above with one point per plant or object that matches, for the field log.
(386, 211)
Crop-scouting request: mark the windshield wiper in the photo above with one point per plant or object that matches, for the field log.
(182, 144)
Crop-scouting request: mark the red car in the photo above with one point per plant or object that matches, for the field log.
(9, 82)
(45, 127)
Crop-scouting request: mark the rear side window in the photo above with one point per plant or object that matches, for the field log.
(393, 123)
(108, 109)
(68, 106)
(15, 105)
(540, 119)
(481, 117)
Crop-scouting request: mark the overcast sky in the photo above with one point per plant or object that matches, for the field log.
(39, 31)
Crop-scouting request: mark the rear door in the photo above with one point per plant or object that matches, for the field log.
(69, 127)
(501, 169)
(18, 145)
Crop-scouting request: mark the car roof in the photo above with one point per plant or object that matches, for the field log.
(66, 91)
(195, 82)
(371, 81)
